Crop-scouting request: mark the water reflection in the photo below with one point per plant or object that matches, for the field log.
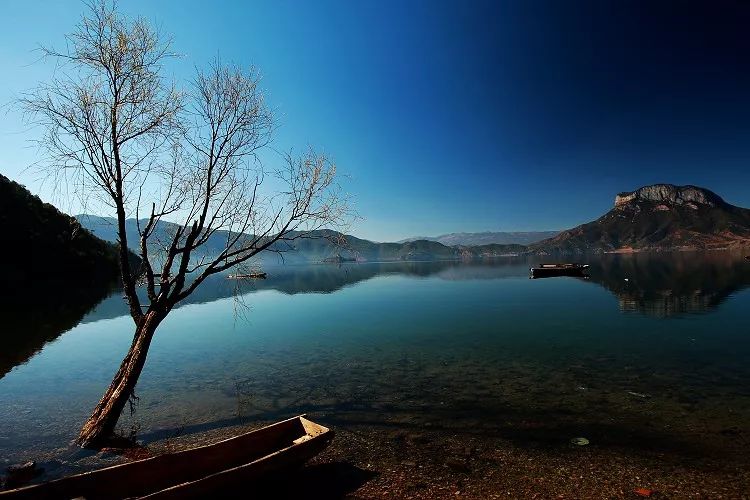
(674, 284)
(326, 278)
(660, 285)
(446, 344)
(41, 313)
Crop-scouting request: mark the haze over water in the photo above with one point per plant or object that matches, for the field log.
(650, 352)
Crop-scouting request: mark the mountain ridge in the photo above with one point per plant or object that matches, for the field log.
(487, 238)
(657, 217)
(324, 244)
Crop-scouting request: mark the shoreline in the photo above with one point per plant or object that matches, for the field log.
(379, 460)
(399, 461)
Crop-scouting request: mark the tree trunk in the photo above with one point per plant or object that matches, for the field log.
(100, 426)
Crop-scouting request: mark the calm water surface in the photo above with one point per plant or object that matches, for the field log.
(648, 350)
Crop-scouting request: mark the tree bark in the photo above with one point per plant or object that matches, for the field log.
(100, 426)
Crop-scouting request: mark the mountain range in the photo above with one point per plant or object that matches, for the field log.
(322, 245)
(660, 217)
(487, 238)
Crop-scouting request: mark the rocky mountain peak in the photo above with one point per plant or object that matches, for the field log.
(669, 194)
(661, 217)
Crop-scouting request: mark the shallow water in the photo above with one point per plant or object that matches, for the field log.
(651, 352)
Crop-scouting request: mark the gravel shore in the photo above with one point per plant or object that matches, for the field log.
(400, 460)
(375, 461)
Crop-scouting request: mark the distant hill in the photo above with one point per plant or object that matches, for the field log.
(661, 217)
(40, 243)
(106, 229)
(487, 238)
(322, 245)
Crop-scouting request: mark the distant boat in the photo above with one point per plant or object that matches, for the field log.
(259, 276)
(228, 466)
(550, 270)
(338, 259)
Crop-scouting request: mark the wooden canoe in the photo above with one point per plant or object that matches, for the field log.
(549, 270)
(195, 473)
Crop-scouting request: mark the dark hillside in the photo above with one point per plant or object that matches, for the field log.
(40, 243)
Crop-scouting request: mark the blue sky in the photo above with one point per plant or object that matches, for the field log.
(460, 116)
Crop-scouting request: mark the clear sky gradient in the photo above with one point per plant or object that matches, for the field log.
(460, 116)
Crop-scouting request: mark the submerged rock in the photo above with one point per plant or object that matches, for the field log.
(19, 474)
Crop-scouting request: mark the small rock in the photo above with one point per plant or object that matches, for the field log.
(579, 441)
(21, 468)
(731, 431)
(457, 465)
(417, 439)
(638, 394)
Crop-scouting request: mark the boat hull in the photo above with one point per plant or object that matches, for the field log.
(254, 276)
(197, 472)
(559, 270)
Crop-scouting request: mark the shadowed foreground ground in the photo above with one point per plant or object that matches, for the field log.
(367, 461)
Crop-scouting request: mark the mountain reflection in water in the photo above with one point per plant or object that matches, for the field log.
(661, 285)
(673, 284)
(33, 317)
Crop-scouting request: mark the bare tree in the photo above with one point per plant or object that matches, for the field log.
(116, 127)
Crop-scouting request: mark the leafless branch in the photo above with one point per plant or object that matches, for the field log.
(125, 133)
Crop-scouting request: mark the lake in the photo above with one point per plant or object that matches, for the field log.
(649, 352)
